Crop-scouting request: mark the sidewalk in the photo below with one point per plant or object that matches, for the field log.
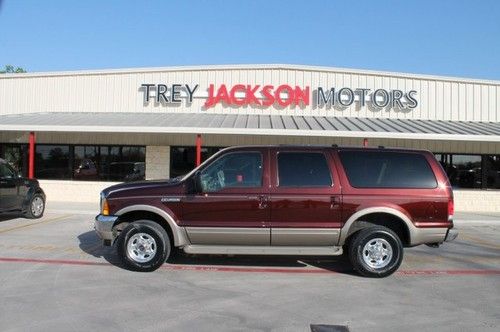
(461, 218)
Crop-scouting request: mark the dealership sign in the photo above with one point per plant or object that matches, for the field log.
(279, 96)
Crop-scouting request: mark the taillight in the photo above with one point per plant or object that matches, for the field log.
(451, 208)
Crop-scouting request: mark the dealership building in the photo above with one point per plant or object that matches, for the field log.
(79, 132)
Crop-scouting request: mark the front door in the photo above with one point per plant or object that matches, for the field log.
(305, 198)
(232, 205)
(9, 188)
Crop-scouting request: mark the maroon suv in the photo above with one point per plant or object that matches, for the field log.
(286, 200)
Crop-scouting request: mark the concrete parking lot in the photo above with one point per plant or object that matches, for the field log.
(55, 276)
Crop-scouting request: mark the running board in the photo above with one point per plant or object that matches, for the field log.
(262, 250)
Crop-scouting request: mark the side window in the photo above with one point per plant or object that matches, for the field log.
(233, 170)
(303, 169)
(5, 171)
(375, 169)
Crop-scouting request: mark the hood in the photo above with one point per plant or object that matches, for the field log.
(147, 187)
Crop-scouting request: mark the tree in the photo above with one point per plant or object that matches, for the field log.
(9, 69)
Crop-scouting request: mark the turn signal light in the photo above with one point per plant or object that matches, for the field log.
(105, 208)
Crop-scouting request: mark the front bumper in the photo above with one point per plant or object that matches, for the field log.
(104, 227)
(451, 235)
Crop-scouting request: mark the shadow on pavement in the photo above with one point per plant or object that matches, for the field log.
(11, 215)
(92, 245)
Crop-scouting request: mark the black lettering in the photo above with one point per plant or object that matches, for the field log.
(191, 92)
(350, 96)
(146, 91)
(396, 96)
(412, 102)
(325, 100)
(176, 93)
(161, 89)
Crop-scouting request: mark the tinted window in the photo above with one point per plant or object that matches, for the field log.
(5, 171)
(183, 158)
(464, 171)
(303, 169)
(52, 162)
(242, 169)
(375, 169)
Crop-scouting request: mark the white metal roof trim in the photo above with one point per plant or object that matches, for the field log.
(245, 121)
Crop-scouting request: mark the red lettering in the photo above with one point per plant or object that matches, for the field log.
(251, 98)
(210, 100)
(290, 97)
(222, 95)
(301, 96)
(235, 100)
(268, 97)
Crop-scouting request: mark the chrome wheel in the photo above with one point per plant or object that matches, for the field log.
(377, 253)
(37, 206)
(141, 247)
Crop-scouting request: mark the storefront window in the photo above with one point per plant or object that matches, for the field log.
(17, 156)
(464, 171)
(90, 162)
(86, 163)
(52, 162)
(183, 158)
(492, 171)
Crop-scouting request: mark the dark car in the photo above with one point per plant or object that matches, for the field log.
(18, 194)
(368, 203)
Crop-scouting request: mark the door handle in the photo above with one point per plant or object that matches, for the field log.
(263, 199)
(334, 201)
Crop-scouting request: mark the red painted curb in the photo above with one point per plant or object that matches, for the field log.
(208, 268)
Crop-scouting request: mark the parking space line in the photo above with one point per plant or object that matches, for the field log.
(35, 223)
(208, 268)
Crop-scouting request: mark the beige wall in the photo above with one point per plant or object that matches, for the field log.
(439, 98)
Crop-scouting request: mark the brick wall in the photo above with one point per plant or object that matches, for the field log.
(477, 201)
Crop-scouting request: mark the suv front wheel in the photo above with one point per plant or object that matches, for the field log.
(376, 252)
(143, 246)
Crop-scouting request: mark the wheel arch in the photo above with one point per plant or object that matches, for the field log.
(141, 211)
(391, 218)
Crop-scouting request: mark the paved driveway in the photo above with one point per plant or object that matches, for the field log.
(55, 275)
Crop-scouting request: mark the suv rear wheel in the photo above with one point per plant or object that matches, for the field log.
(143, 246)
(376, 252)
(36, 207)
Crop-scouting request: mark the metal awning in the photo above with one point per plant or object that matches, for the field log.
(245, 124)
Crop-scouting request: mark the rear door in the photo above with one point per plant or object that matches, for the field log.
(232, 207)
(305, 198)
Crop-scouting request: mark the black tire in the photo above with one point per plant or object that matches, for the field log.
(34, 210)
(143, 233)
(376, 237)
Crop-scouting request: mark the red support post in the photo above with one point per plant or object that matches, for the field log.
(31, 160)
(198, 150)
(365, 142)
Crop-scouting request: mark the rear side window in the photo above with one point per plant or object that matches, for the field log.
(376, 169)
(303, 169)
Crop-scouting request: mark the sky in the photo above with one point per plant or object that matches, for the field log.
(446, 37)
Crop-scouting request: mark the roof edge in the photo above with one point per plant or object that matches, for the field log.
(249, 67)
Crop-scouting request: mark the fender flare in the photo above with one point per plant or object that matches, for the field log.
(179, 234)
(344, 231)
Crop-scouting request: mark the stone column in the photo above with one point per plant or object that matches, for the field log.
(157, 162)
